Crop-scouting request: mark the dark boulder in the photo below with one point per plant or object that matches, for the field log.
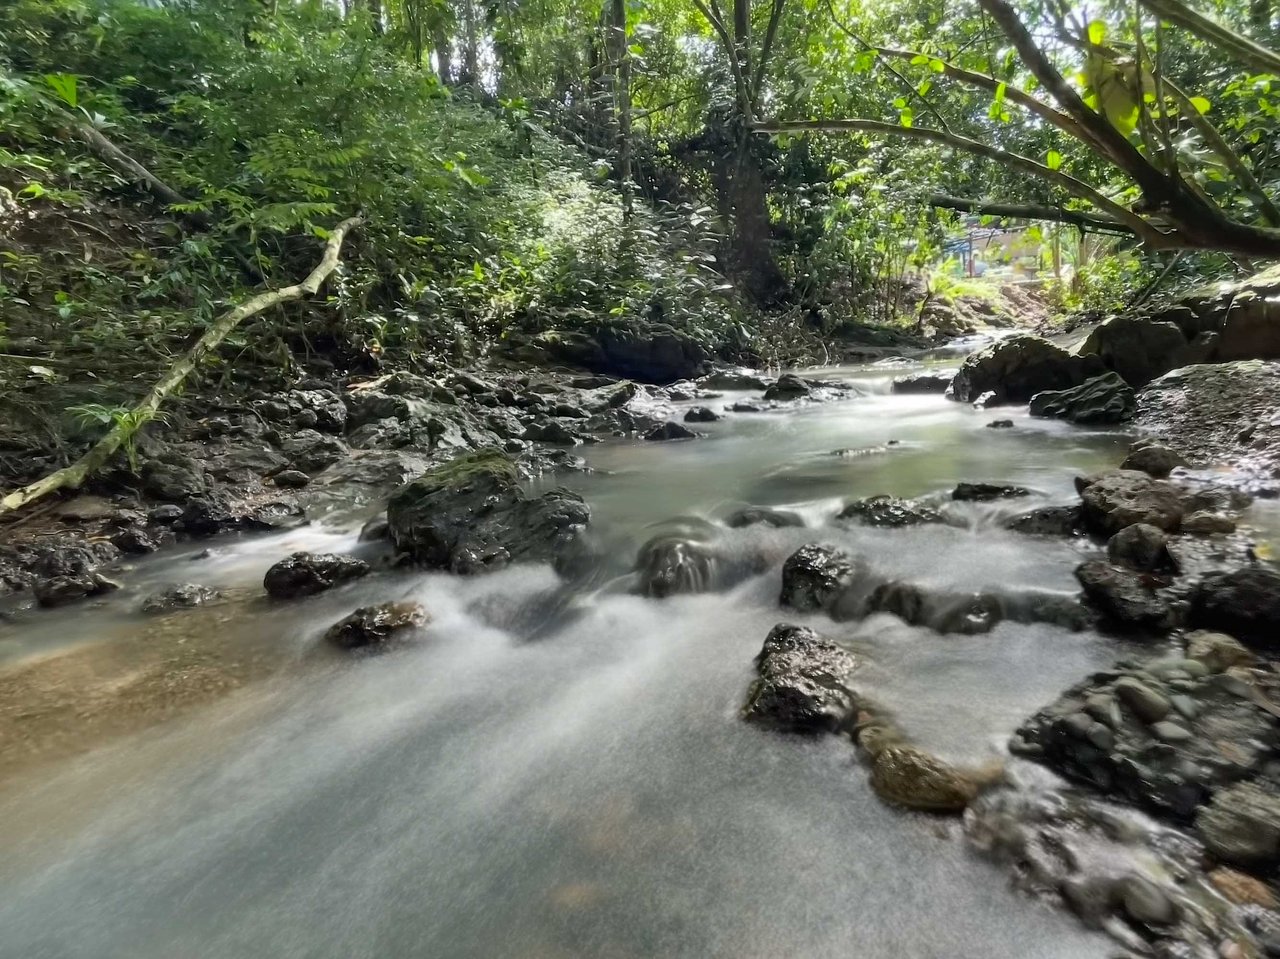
(1049, 521)
(470, 514)
(923, 383)
(376, 625)
(668, 565)
(986, 492)
(304, 574)
(1244, 603)
(1140, 547)
(650, 353)
(701, 414)
(183, 596)
(1017, 367)
(135, 540)
(61, 590)
(670, 430)
(813, 577)
(802, 683)
(173, 477)
(788, 387)
(1139, 348)
(735, 380)
(1153, 459)
(1126, 597)
(1102, 401)
(1124, 497)
(888, 511)
(310, 451)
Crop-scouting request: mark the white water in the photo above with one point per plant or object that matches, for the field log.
(592, 793)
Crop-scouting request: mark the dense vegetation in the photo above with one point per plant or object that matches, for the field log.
(759, 176)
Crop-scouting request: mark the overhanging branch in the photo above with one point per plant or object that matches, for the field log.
(1078, 188)
(1030, 211)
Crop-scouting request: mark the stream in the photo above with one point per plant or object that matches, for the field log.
(574, 780)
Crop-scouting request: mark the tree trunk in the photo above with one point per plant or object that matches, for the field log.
(73, 476)
(444, 54)
(743, 204)
(622, 99)
(375, 15)
(471, 51)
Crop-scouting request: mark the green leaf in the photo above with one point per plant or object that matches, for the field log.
(919, 60)
(64, 86)
(1097, 32)
(906, 117)
(937, 66)
(1053, 160)
(1201, 104)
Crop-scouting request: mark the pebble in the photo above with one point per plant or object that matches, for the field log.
(1145, 703)
(1242, 889)
(1146, 902)
(1185, 706)
(1171, 732)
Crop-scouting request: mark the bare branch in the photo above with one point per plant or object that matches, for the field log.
(1248, 52)
(1029, 211)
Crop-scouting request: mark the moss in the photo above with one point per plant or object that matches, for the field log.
(465, 469)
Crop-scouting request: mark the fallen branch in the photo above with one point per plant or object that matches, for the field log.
(73, 476)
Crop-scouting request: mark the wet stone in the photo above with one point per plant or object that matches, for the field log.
(376, 625)
(888, 512)
(814, 576)
(182, 596)
(304, 574)
(802, 683)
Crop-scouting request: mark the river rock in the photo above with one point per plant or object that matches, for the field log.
(1101, 401)
(923, 383)
(1017, 367)
(1218, 651)
(173, 477)
(669, 564)
(1218, 414)
(1243, 602)
(735, 380)
(631, 349)
(1242, 889)
(291, 479)
(309, 451)
(701, 414)
(802, 685)
(1000, 425)
(327, 412)
(61, 590)
(763, 516)
(1124, 497)
(470, 514)
(182, 596)
(1241, 825)
(813, 577)
(789, 386)
(1049, 521)
(888, 512)
(1153, 459)
(376, 625)
(1231, 736)
(304, 574)
(135, 540)
(1140, 547)
(986, 492)
(670, 430)
(1124, 596)
(1139, 348)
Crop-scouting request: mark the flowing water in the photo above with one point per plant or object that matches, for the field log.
(570, 778)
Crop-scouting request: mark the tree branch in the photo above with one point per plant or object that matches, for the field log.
(770, 34)
(73, 476)
(1078, 188)
(712, 16)
(1245, 50)
(1029, 212)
